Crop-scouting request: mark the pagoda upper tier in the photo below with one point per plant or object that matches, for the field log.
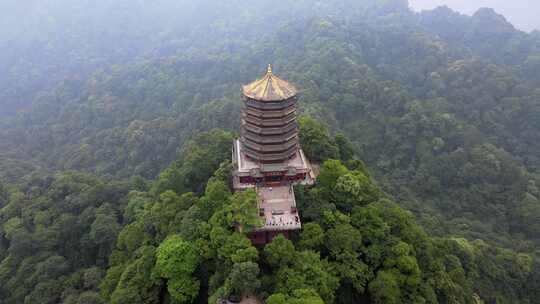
(269, 88)
(269, 132)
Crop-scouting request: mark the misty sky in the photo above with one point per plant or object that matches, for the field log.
(523, 14)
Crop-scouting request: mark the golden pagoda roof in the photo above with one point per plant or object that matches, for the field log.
(269, 88)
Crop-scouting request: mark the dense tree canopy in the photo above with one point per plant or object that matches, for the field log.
(56, 236)
(114, 158)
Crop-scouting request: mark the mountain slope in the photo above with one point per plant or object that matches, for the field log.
(443, 109)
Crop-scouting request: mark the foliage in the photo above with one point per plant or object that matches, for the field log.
(425, 107)
(316, 141)
(300, 296)
(176, 260)
(242, 211)
(443, 108)
(56, 235)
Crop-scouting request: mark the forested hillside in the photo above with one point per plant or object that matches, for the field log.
(103, 168)
(73, 238)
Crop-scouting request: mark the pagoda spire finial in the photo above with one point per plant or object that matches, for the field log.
(269, 88)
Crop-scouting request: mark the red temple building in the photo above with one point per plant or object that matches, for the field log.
(268, 158)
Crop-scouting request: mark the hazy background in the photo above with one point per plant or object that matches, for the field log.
(523, 14)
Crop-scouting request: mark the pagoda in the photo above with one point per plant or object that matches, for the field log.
(267, 156)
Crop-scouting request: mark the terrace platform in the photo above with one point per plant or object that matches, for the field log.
(278, 206)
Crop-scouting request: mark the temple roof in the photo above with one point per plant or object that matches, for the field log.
(269, 88)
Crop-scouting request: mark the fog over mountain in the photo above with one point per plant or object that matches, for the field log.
(127, 128)
(523, 14)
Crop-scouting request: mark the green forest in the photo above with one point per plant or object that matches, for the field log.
(116, 125)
